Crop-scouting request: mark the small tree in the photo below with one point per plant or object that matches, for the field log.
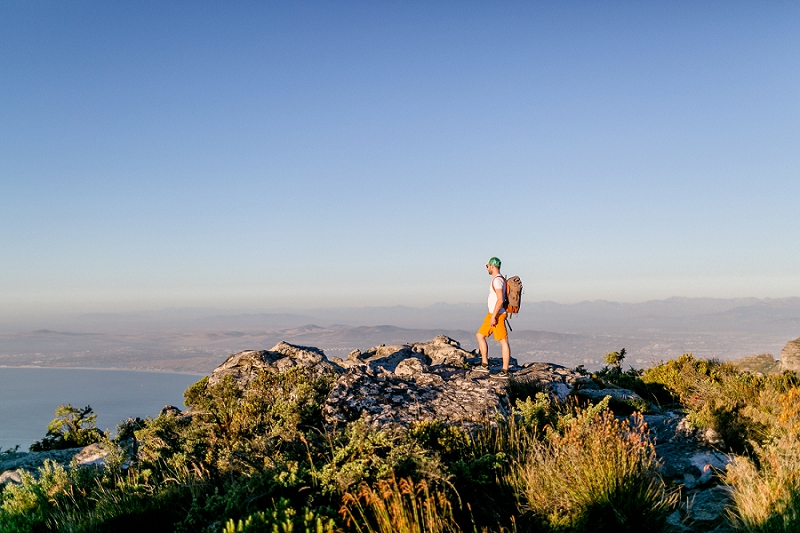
(614, 360)
(71, 428)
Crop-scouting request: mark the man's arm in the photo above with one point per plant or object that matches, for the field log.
(499, 305)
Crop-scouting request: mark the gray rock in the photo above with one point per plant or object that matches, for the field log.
(410, 368)
(686, 455)
(443, 350)
(555, 379)
(620, 395)
(92, 455)
(31, 461)
(414, 392)
(13, 464)
(790, 356)
(708, 505)
(388, 357)
(10, 477)
(245, 366)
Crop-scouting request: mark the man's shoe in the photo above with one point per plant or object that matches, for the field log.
(503, 374)
(484, 369)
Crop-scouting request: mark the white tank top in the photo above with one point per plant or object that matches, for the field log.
(498, 282)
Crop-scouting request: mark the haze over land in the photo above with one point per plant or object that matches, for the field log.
(179, 181)
(197, 340)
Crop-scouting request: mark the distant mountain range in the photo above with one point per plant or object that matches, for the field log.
(570, 334)
(779, 316)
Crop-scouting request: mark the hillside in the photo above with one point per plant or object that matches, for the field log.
(412, 437)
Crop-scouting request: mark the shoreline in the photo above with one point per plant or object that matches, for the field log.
(116, 369)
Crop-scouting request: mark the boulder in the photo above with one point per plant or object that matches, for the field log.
(10, 477)
(14, 463)
(92, 455)
(555, 379)
(387, 357)
(690, 457)
(706, 508)
(790, 356)
(245, 366)
(443, 350)
(617, 395)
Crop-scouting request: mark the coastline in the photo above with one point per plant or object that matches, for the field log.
(117, 369)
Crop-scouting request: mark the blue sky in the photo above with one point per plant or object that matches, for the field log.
(271, 155)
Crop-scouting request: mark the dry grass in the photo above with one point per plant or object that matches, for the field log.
(598, 474)
(766, 494)
(392, 506)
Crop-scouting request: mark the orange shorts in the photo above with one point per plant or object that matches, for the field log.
(499, 330)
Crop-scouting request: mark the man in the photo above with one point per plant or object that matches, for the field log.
(495, 321)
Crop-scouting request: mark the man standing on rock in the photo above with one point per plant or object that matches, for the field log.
(495, 321)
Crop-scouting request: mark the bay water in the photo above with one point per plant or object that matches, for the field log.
(30, 396)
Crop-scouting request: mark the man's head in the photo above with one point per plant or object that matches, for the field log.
(493, 265)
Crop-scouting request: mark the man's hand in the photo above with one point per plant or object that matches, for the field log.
(493, 321)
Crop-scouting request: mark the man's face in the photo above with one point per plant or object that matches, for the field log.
(489, 269)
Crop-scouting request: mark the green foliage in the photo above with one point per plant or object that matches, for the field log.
(522, 389)
(614, 360)
(72, 428)
(536, 415)
(363, 454)
(736, 404)
(283, 518)
(766, 492)
(259, 458)
(448, 440)
(595, 474)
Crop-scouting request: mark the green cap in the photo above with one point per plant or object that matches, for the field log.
(493, 261)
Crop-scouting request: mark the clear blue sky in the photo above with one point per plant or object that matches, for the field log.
(284, 154)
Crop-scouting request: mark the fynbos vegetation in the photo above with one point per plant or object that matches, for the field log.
(261, 458)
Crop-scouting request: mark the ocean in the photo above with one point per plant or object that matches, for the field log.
(29, 397)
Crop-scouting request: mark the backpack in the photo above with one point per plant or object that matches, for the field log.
(513, 295)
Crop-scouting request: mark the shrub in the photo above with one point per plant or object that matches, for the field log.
(523, 388)
(71, 428)
(597, 474)
(766, 492)
(283, 518)
(718, 396)
(403, 506)
(363, 454)
(614, 361)
(450, 441)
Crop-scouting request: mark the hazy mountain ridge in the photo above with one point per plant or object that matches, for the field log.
(195, 339)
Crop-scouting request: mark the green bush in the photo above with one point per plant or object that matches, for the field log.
(364, 454)
(596, 474)
(72, 428)
(283, 518)
(766, 491)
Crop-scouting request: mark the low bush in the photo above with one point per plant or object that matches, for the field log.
(283, 518)
(595, 473)
(392, 506)
(72, 427)
(766, 490)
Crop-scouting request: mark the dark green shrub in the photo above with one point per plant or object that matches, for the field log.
(523, 388)
(71, 428)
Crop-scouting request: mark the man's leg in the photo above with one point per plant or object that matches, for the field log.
(506, 349)
(483, 346)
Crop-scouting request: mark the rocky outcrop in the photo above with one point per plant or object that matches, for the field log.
(691, 459)
(245, 366)
(13, 464)
(790, 356)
